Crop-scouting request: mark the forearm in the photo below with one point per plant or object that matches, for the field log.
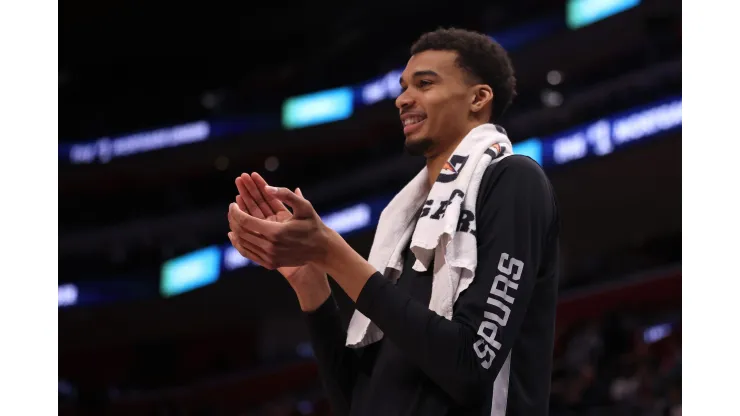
(312, 291)
(348, 268)
(442, 349)
(337, 363)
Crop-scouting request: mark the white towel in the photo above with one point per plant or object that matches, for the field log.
(440, 224)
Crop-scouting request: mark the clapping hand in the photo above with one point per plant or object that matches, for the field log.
(260, 225)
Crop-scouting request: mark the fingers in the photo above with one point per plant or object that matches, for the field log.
(248, 251)
(236, 227)
(301, 207)
(240, 202)
(274, 203)
(248, 222)
(257, 244)
(250, 205)
(257, 195)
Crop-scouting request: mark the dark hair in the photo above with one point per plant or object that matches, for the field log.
(482, 57)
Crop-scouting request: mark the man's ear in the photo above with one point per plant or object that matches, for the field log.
(482, 96)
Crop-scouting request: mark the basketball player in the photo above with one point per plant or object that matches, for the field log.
(425, 364)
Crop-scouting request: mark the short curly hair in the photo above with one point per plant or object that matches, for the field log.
(482, 57)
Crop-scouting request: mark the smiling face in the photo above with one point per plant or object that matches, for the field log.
(439, 105)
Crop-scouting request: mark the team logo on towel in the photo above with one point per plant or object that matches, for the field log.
(494, 151)
(449, 167)
(452, 168)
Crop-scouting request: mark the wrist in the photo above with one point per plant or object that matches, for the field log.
(326, 244)
(311, 295)
(340, 261)
(311, 290)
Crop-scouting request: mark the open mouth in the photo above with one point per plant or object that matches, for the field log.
(411, 124)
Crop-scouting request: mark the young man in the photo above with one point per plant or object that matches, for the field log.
(493, 357)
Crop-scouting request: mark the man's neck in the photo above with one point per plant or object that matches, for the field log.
(437, 162)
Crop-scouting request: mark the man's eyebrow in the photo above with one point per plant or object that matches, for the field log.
(426, 72)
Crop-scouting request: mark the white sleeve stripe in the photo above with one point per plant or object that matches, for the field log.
(501, 389)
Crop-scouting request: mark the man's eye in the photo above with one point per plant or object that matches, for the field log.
(424, 83)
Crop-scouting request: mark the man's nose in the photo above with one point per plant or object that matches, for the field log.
(404, 100)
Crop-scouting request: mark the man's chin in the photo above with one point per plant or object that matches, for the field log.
(418, 146)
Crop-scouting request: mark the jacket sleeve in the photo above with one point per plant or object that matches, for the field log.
(338, 365)
(465, 354)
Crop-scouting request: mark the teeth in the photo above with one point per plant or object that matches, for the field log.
(411, 120)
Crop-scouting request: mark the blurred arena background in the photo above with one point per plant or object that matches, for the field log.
(162, 105)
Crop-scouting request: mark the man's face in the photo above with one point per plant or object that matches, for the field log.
(435, 103)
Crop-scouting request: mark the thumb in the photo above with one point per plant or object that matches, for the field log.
(301, 207)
